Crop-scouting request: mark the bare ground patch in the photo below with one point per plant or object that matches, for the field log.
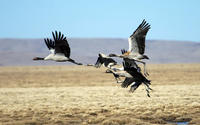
(99, 105)
(86, 95)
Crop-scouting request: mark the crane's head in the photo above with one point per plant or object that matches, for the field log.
(112, 55)
(145, 57)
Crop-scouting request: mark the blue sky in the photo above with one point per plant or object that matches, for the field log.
(169, 19)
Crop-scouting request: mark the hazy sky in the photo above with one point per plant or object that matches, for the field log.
(169, 19)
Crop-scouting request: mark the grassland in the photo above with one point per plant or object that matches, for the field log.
(86, 95)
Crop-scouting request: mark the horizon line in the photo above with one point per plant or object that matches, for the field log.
(13, 38)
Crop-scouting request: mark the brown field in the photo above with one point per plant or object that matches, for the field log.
(86, 95)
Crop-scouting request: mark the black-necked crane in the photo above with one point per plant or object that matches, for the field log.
(138, 78)
(121, 69)
(132, 75)
(59, 48)
(137, 45)
(105, 61)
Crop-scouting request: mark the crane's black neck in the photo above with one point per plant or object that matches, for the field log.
(38, 58)
(72, 61)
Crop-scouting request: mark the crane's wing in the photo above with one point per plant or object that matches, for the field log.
(61, 44)
(133, 71)
(126, 65)
(130, 61)
(137, 39)
(127, 82)
(135, 86)
(98, 62)
(50, 44)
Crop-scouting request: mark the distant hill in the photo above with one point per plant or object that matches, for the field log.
(85, 50)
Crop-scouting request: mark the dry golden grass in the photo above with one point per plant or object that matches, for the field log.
(55, 95)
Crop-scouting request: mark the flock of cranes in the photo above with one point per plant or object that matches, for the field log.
(60, 52)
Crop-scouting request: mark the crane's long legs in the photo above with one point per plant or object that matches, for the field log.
(147, 89)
